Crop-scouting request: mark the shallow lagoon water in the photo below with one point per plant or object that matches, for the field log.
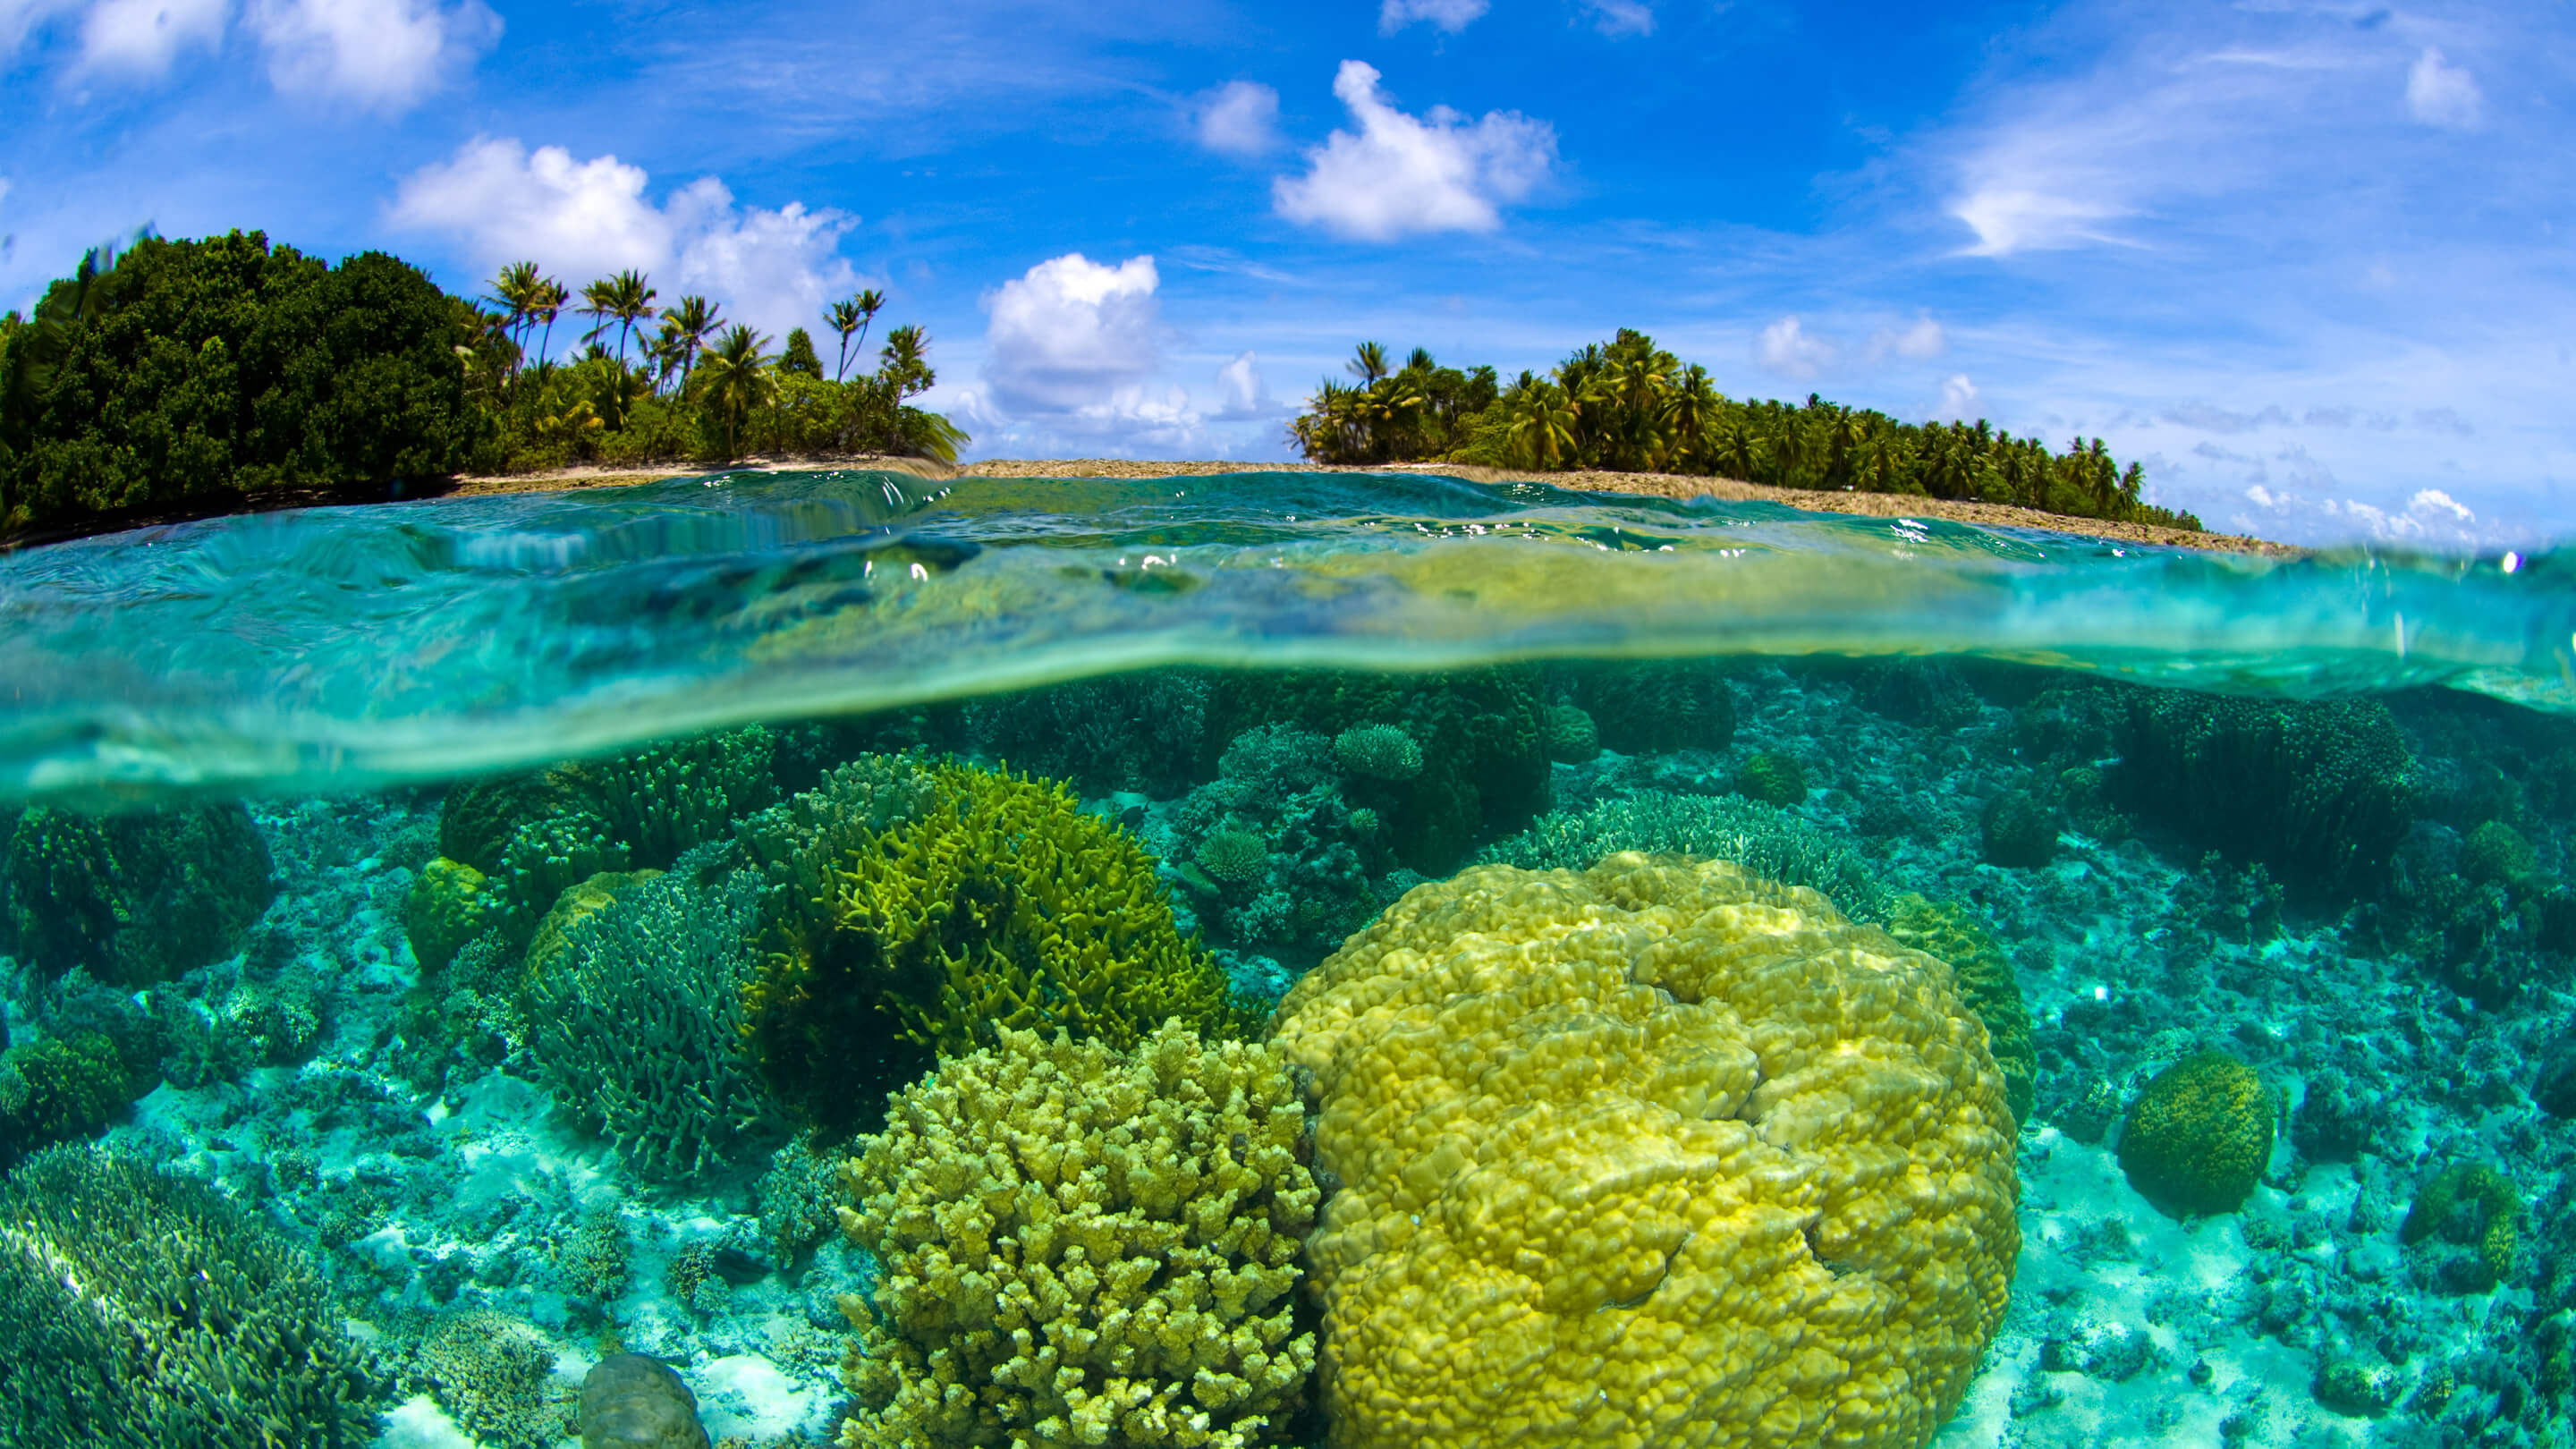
(2310, 815)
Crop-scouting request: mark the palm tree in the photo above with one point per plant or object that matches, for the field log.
(904, 361)
(853, 315)
(738, 379)
(688, 325)
(1368, 362)
(625, 299)
(516, 290)
(544, 305)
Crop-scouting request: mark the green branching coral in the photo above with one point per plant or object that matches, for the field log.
(1764, 840)
(489, 1371)
(639, 1022)
(2018, 830)
(543, 859)
(2196, 1140)
(143, 1311)
(2473, 1205)
(1984, 976)
(798, 843)
(134, 899)
(61, 1089)
(1377, 752)
(2497, 854)
(2320, 791)
(1232, 855)
(999, 904)
(675, 795)
(1084, 1246)
(1569, 734)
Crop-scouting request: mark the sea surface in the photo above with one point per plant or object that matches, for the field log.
(1277, 959)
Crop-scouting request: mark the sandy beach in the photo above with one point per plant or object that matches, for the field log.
(1666, 485)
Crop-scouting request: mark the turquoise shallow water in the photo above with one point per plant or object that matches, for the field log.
(341, 647)
(1536, 968)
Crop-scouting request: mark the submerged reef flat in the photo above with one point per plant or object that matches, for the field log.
(1715, 1053)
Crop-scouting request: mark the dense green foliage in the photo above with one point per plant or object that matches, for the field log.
(1629, 406)
(135, 898)
(188, 370)
(203, 375)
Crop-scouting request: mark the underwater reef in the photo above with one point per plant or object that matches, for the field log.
(2038, 1059)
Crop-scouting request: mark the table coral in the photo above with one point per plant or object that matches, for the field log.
(1084, 1246)
(1658, 1153)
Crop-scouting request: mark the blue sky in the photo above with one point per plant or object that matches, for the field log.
(2311, 263)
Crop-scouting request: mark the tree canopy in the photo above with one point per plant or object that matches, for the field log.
(1629, 406)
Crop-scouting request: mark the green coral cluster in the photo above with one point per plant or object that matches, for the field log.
(1984, 977)
(143, 1311)
(1763, 839)
(1083, 1245)
(489, 1371)
(60, 1089)
(1000, 903)
(2018, 830)
(1656, 706)
(1282, 860)
(2471, 1204)
(2319, 791)
(2196, 1140)
(133, 899)
(1773, 779)
(1378, 752)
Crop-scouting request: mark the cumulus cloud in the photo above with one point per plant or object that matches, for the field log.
(142, 37)
(1788, 348)
(386, 54)
(1400, 174)
(1239, 118)
(1449, 15)
(1959, 400)
(1239, 389)
(1922, 340)
(772, 268)
(1621, 17)
(1072, 333)
(2441, 94)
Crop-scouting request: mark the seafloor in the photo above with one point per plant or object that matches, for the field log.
(2404, 1010)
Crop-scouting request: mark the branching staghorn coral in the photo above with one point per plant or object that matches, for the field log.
(1083, 1246)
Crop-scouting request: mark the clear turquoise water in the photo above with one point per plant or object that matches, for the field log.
(1306, 700)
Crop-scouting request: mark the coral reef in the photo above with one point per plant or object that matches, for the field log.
(640, 1022)
(1282, 860)
(1000, 903)
(2472, 1205)
(1984, 977)
(1681, 704)
(629, 1401)
(2320, 792)
(1127, 732)
(1377, 752)
(1763, 839)
(489, 1372)
(142, 1311)
(61, 1089)
(136, 898)
(1082, 1245)
(2018, 831)
(444, 911)
(1773, 779)
(671, 797)
(1568, 734)
(1657, 1153)
(2195, 1141)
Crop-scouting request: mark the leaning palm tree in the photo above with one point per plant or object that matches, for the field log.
(633, 296)
(516, 290)
(1368, 361)
(842, 317)
(738, 379)
(545, 305)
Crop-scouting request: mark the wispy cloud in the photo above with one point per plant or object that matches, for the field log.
(2441, 94)
(1449, 15)
(1239, 118)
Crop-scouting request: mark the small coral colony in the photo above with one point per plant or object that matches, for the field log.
(1213, 1059)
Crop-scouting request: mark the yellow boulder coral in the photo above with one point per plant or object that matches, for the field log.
(1083, 1246)
(1654, 1154)
(578, 903)
(446, 909)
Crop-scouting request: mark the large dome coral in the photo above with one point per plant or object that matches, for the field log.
(1655, 1153)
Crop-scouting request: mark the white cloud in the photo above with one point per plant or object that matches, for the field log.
(1787, 348)
(1924, 339)
(774, 269)
(2429, 502)
(1239, 118)
(1449, 15)
(1399, 174)
(2441, 94)
(2010, 218)
(386, 54)
(1959, 400)
(1621, 17)
(1240, 390)
(142, 37)
(1071, 334)
(19, 17)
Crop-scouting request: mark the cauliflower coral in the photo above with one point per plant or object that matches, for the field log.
(1083, 1246)
(1657, 1153)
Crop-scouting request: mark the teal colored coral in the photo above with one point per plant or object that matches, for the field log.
(1763, 839)
(134, 899)
(639, 1021)
(143, 1311)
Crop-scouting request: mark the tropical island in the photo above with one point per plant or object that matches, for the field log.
(177, 378)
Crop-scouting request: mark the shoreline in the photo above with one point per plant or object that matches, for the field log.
(1662, 485)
